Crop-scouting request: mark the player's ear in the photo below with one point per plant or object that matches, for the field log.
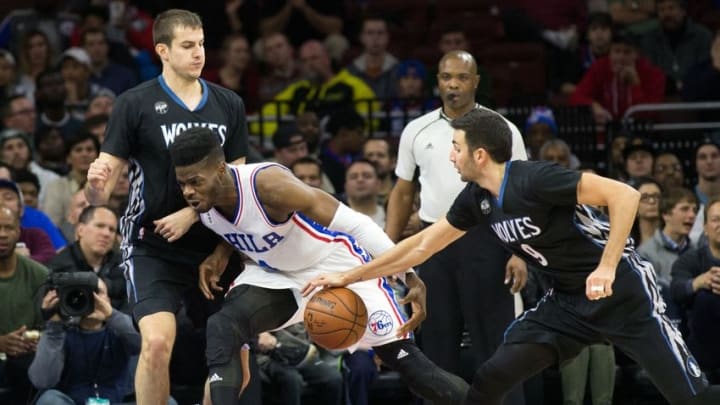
(161, 50)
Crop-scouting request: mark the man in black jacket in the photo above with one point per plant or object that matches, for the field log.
(93, 251)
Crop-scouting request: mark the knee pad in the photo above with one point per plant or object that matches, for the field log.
(225, 337)
(422, 376)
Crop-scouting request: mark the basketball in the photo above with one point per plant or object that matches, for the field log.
(335, 318)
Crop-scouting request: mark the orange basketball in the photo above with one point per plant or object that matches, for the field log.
(335, 318)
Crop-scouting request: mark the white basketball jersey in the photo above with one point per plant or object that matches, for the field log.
(292, 245)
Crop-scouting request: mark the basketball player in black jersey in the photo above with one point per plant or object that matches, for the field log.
(161, 260)
(602, 290)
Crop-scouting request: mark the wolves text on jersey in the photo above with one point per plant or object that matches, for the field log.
(247, 243)
(179, 127)
(515, 229)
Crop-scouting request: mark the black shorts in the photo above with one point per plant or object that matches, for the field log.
(632, 319)
(157, 282)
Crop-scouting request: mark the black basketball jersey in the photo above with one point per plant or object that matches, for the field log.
(144, 122)
(537, 217)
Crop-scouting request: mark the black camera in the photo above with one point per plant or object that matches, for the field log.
(75, 292)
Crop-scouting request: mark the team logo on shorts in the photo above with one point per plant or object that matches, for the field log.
(161, 107)
(692, 367)
(485, 206)
(380, 323)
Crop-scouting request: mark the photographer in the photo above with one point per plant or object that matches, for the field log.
(93, 252)
(88, 362)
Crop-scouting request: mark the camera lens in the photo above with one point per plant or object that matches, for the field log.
(77, 300)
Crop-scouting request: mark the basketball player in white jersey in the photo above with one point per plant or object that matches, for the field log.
(293, 233)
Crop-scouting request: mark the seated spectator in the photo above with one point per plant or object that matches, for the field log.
(51, 96)
(37, 242)
(599, 37)
(647, 221)
(541, 128)
(289, 362)
(76, 69)
(707, 167)
(105, 73)
(101, 104)
(412, 99)
(10, 83)
(84, 365)
(81, 150)
(16, 151)
(616, 82)
(50, 153)
(558, 151)
(361, 190)
(702, 81)
(29, 186)
(237, 72)
(72, 216)
(309, 124)
(668, 171)
(677, 44)
(384, 155)
(347, 135)
(18, 112)
(696, 289)
(639, 156)
(20, 280)
(375, 65)
(322, 90)
(289, 144)
(309, 171)
(93, 251)
(282, 67)
(96, 125)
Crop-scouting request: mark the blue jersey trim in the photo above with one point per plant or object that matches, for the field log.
(501, 195)
(176, 99)
(335, 234)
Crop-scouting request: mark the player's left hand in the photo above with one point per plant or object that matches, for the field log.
(417, 297)
(599, 283)
(517, 272)
(172, 227)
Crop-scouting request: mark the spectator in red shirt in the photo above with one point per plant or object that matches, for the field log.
(616, 82)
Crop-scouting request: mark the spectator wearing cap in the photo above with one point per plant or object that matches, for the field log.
(16, 150)
(677, 44)
(413, 98)
(639, 156)
(375, 65)
(76, 68)
(38, 245)
(616, 82)
(50, 98)
(540, 129)
(346, 128)
(289, 144)
(105, 73)
(18, 112)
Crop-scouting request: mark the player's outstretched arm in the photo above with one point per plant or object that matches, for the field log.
(622, 202)
(410, 252)
(102, 177)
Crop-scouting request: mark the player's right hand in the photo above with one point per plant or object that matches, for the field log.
(325, 280)
(98, 174)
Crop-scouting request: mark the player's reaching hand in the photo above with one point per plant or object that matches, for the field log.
(326, 280)
(172, 227)
(517, 272)
(599, 283)
(417, 297)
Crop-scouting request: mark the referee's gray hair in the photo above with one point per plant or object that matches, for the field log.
(488, 130)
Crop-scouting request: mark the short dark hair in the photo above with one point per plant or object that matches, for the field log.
(88, 213)
(194, 145)
(671, 197)
(306, 160)
(95, 120)
(84, 34)
(344, 118)
(6, 109)
(363, 161)
(26, 176)
(488, 130)
(165, 23)
(81, 137)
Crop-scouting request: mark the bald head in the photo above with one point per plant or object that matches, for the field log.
(315, 61)
(462, 56)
